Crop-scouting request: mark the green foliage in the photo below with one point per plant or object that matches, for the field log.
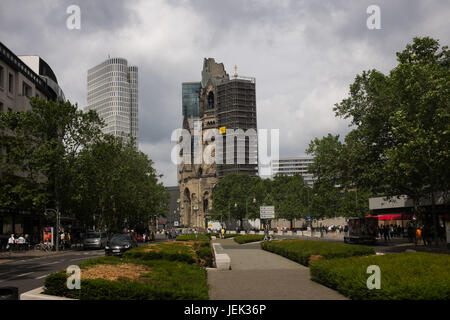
(301, 250)
(58, 158)
(117, 186)
(404, 276)
(334, 193)
(401, 140)
(166, 280)
(194, 237)
(205, 255)
(226, 235)
(237, 196)
(290, 197)
(248, 238)
(42, 145)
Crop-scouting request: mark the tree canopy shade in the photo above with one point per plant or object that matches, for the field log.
(40, 146)
(117, 186)
(55, 156)
(239, 196)
(400, 140)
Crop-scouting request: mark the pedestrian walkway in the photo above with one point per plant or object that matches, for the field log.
(261, 275)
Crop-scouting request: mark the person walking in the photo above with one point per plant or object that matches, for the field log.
(418, 235)
(62, 237)
(11, 243)
(21, 243)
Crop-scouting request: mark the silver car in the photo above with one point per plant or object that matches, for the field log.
(95, 240)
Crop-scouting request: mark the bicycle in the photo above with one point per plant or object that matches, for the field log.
(44, 246)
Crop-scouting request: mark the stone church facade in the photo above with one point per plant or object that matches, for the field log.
(197, 179)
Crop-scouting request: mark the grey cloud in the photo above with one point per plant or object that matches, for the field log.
(304, 54)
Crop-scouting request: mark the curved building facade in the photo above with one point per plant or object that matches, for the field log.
(113, 94)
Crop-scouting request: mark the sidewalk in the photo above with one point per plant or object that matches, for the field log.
(260, 275)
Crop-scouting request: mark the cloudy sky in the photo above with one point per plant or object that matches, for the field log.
(304, 54)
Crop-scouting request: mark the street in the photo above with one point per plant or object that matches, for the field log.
(30, 273)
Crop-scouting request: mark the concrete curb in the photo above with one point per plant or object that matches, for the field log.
(222, 260)
(36, 294)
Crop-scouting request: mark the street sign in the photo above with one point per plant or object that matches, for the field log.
(267, 212)
(175, 223)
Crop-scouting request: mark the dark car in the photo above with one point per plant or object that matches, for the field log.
(120, 243)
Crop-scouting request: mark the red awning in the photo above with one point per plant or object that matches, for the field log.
(391, 217)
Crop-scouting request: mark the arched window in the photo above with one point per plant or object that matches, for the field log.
(211, 100)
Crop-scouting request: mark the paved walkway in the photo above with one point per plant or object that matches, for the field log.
(260, 275)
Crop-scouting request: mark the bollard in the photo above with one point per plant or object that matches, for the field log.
(9, 293)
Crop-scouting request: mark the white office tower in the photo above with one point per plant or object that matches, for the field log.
(113, 93)
(291, 166)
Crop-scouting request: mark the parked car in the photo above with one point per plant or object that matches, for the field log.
(95, 240)
(120, 243)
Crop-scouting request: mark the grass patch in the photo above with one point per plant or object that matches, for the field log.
(157, 280)
(404, 276)
(302, 251)
(248, 238)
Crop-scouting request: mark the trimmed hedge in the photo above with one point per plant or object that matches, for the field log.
(167, 280)
(248, 238)
(192, 237)
(301, 250)
(404, 276)
(227, 235)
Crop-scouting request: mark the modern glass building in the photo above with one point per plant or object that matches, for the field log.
(113, 93)
(191, 99)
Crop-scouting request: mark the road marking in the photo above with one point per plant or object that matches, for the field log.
(46, 264)
(42, 276)
(23, 274)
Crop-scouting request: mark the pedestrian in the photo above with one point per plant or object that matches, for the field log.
(21, 243)
(62, 237)
(418, 235)
(11, 243)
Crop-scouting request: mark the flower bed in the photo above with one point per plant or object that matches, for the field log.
(190, 252)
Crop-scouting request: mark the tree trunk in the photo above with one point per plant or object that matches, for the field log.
(435, 218)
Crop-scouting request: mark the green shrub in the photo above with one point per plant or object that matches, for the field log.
(167, 280)
(248, 238)
(227, 235)
(205, 253)
(193, 237)
(404, 276)
(301, 250)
